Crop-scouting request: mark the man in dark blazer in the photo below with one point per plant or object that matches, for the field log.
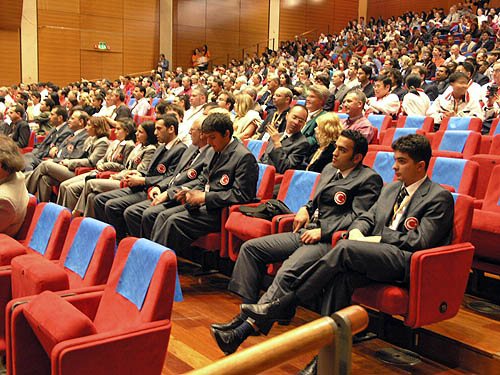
(20, 128)
(61, 131)
(289, 149)
(346, 190)
(411, 214)
(229, 178)
(109, 206)
(140, 217)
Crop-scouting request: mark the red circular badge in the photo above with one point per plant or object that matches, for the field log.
(411, 223)
(224, 180)
(138, 160)
(70, 148)
(340, 197)
(192, 173)
(161, 168)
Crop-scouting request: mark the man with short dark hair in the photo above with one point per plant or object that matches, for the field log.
(229, 177)
(20, 130)
(364, 76)
(141, 105)
(340, 90)
(410, 214)
(226, 100)
(109, 206)
(346, 190)
(50, 146)
(430, 89)
(383, 102)
(121, 110)
(216, 89)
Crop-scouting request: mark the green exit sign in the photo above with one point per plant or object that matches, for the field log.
(102, 46)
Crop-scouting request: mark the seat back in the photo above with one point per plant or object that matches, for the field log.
(297, 188)
(256, 147)
(461, 123)
(381, 122)
(495, 145)
(154, 102)
(495, 129)
(492, 197)
(381, 162)
(459, 175)
(131, 102)
(48, 230)
(140, 286)
(462, 221)
(341, 115)
(88, 252)
(419, 122)
(30, 210)
(265, 182)
(460, 143)
(394, 133)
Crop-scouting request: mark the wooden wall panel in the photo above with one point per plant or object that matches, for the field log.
(388, 8)
(320, 15)
(140, 46)
(226, 26)
(293, 15)
(344, 11)
(68, 31)
(58, 46)
(10, 69)
(10, 15)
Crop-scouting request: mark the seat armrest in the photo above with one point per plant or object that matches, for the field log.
(284, 223)
(478, 204)
(446, 266)
(337, 236)
(276, 222)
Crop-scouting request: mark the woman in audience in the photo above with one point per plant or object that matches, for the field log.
(113, 160)
(53, 174)
(138, 160)
(13, 193)
(247, 120)
(415, 102)
(327, 131)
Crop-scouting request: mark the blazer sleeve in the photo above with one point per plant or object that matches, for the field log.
(172, 163)
(435, 225)
(146, 158)
(244, 186)
(115, 165)
(23, 136)
(293, 160)
(366, 196)
(97, 153)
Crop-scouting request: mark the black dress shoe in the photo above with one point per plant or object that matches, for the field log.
(235, 322)
(311, 368)
(228, 341)
(273, 311)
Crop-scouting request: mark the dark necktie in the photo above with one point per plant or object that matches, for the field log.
(401, 196)
(192, 159)
(338, 176)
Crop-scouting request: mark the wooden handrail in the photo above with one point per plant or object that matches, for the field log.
(272, 352)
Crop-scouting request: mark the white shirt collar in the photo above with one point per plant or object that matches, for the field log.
(413, 187)
(169, 145)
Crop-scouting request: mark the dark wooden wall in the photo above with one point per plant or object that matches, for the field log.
(299, 16)
(68, 31)
(10, 41)
(225, 26)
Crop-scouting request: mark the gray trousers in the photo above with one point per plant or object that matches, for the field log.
(93, 187)
(176, 227)
(44, 177)
(70, 191)
(257, 253)
(140, 217)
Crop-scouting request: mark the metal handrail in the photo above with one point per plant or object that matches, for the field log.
(331, 335)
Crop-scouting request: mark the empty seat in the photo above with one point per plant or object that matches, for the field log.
(456, 143)
(457, 175)
(419, 122)
(461, 123)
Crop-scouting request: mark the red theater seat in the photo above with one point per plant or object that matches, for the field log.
(30, 211)
(45, 236)
(457, 175)
(296, 189)
(461, 123)
(256, 147)
(390, 136)
(381, 162)
(122, 329)
(486, 227)
(456, 143)
(438, 278)
(419, 122)
(219, 241)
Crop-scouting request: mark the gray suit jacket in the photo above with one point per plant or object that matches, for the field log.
(290, 155)
(340, 202)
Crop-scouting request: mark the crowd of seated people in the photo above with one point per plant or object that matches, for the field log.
(163, 154)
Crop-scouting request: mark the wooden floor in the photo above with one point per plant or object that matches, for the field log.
(206, 301)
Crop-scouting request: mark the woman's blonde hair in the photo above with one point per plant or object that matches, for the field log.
(100, 125)
(329, 128)
(244, 103)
